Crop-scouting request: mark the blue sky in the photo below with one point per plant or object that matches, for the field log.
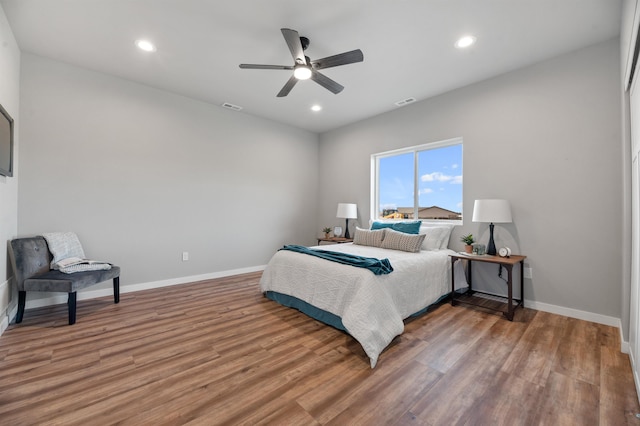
(439, 182)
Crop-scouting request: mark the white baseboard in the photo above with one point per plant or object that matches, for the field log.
(573, 313)
(624, 345)
(634, 370)
(4, 323)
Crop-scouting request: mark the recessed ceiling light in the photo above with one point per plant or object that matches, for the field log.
(405, 101)
(316, 108)
(465, 41)
(231, 106)
(145, 45)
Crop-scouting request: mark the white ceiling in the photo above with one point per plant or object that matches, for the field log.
(407, 45)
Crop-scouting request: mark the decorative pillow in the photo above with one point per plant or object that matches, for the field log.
(402, 241)
(63, 245)
(365, 237)
(406, 227)
(381, 225)
(435, 237)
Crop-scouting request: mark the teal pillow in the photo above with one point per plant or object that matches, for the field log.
(407, 227)
(381, 225)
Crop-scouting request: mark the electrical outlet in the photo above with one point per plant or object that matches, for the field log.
(185, 256)
(528, 273)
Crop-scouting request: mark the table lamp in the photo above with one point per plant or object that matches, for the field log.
(492, 211)
(347, 211)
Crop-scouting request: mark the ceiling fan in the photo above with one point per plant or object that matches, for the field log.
(304, 68)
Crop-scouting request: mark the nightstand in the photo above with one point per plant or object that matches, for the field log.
(507, 263)
(335, 240)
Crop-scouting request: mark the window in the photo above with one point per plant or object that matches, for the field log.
(422, 182)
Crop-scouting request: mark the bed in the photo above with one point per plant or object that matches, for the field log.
(371, 308)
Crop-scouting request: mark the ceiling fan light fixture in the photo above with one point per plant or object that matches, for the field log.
(304, 68)
(302, 72)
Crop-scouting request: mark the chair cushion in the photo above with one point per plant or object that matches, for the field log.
(58, 281)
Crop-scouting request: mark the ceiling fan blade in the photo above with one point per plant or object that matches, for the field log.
(287, 87)
(265, 67)
(326, 82)
(295, 46)
(340, 59)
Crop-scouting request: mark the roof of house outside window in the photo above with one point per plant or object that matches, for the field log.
(433, 212)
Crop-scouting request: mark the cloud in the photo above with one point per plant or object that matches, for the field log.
(454, 166)
(441, 177)
(426, 191)
(435, 177)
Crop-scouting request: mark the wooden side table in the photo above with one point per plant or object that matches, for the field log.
(507, 263)
(335, 240)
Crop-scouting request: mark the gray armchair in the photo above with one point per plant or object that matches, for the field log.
(30, 258)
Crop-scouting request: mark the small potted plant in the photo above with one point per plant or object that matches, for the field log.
(468, 240)
(326, 231)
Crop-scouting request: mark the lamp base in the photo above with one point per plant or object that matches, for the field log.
(346, 229)
(491, 248)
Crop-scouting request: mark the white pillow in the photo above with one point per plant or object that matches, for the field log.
(63, 245)
(437, 236)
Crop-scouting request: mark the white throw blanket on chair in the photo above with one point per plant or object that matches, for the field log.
(66, 245)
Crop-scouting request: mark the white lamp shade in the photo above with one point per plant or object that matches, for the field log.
(493, 211)
(347, 211)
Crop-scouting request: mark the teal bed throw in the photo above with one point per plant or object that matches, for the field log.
(377, 266)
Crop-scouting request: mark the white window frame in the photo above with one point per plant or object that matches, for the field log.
(375, 163)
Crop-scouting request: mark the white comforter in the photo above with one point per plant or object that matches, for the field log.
(371, 307)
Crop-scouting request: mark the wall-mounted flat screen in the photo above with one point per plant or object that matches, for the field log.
(6, 143)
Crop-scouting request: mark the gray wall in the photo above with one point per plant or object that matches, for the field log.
(546, 138)
(142, 175)
(9, 98)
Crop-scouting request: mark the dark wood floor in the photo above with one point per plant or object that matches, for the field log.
(217, 352)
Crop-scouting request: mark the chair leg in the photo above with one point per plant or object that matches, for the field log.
(116, 290)
(22, 299)
(72, 307)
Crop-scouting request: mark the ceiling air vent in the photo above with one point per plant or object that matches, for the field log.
(405, 101)
(231, 106)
